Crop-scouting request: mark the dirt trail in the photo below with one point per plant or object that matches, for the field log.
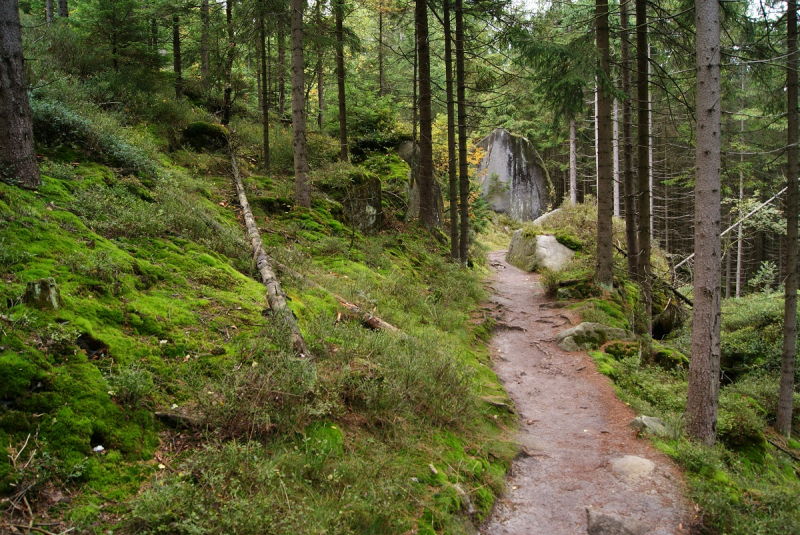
(574, 429)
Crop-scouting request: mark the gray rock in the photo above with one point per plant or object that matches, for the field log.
(610, 524)
(632, 466)
(590, 336)
(537, 252)
(511, 179)
(543, 220)
(648, 424)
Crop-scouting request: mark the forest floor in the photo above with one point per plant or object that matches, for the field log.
(578, 451)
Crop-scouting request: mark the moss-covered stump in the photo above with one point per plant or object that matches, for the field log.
(362, 206)
(201, 135)
(42, 294)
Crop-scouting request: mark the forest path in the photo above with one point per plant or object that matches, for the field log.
(579, 450)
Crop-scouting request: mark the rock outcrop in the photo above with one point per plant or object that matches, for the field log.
(537, 252)
(511, 180)
(362, 206)
(589, 335)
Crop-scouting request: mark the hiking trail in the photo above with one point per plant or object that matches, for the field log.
(579, 452)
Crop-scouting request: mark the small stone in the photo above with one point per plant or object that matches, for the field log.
(98, 449)
(609, 524)
(632, 466)
(648, 424)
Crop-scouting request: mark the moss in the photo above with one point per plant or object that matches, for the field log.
(324, 439)
(605, 364)
(622, 350)
(569, 240)
(669, 358)
(16, 375)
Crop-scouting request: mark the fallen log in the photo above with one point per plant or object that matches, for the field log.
(275, 295)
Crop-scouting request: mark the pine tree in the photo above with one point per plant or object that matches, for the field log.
(17, 157)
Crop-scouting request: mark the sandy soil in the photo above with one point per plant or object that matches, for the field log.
(579, 450)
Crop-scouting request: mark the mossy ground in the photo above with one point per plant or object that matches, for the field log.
(161, 312)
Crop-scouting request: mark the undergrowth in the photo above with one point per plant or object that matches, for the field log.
(161, 314)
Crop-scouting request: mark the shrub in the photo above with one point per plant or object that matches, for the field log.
(201, 135)
(131, 385)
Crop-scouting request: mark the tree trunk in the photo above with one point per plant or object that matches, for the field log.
(265, 97)
(176, 56)
(281, 66)
(275, 295)
(17, 157)
(627, 146)
(320, 69)
(452, 170)
(227, 103)
(338, 12)
(784, 422)
(381, 74)
(205, 18)
(703, 395)
(573, 162)
(49, 11)
(643, 160)
(604, 275)
(302, 189)
(615, 149)
(63, 9)
(427, 208)
(463, 170)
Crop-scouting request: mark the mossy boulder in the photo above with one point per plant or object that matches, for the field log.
(201, 135)
(590, 336)
(532, 251)
(669, 358)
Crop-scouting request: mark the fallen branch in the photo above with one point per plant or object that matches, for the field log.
(275, 295)
(373, 322)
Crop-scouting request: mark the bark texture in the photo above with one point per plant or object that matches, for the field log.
(205, 19)
(302, 188)
(49, 14)
(176, 55)
(605, 171)
(427, 210)
(338, 10)
(627, 145)
(265, 97)
(463, 170)
(573, 162)
(63, 8)
(703, 395)
(227, 102)
(784, 422)
(452, 170)
(17, 157)
(643, 159)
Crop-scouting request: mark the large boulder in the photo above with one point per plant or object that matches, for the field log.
(589, 335)
(511, 180)
(532, 253)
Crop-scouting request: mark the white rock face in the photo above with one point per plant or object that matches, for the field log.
(511, 180)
